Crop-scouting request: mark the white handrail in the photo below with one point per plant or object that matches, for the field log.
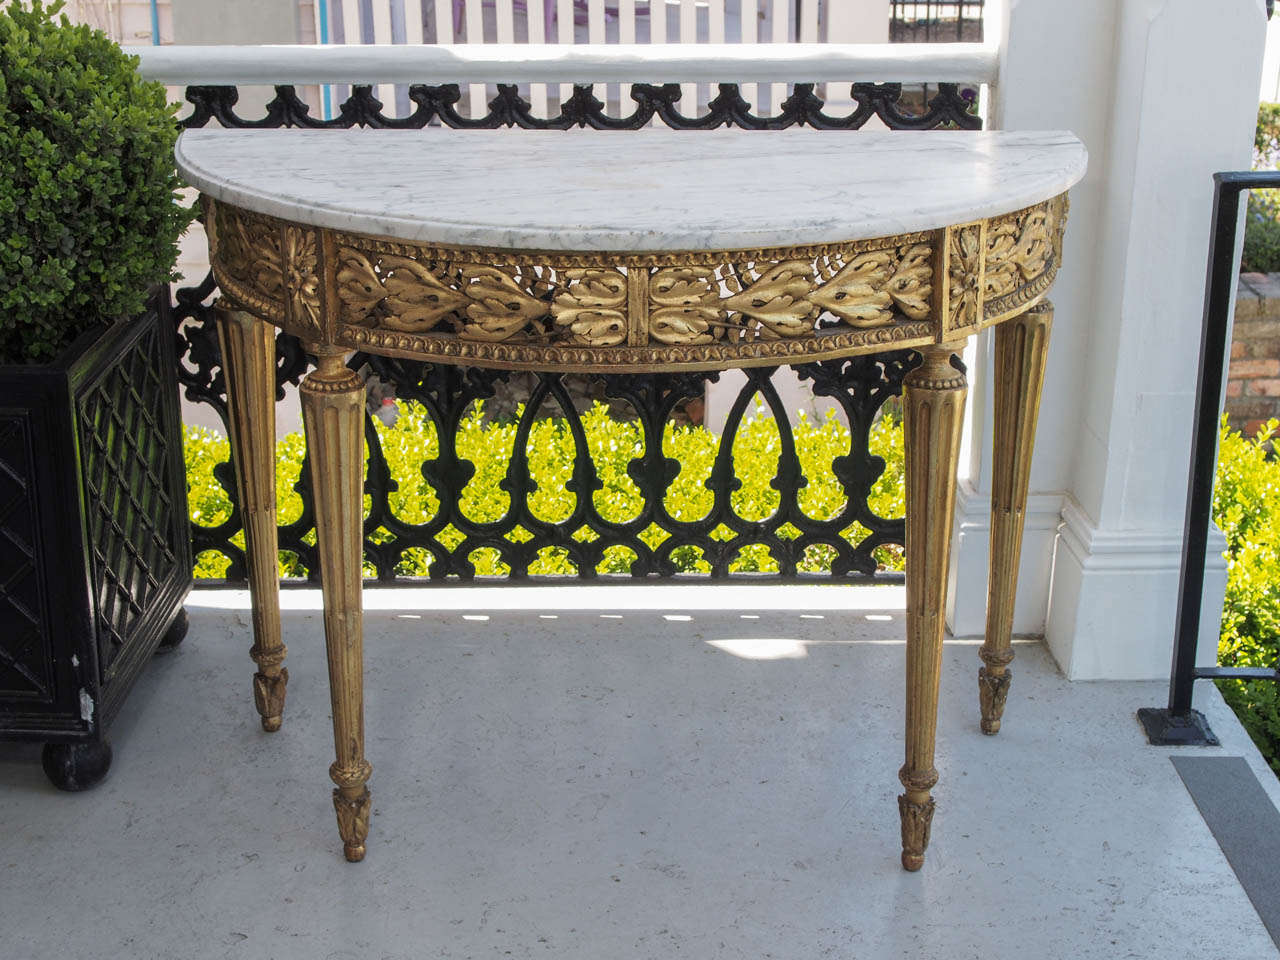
(555, 63)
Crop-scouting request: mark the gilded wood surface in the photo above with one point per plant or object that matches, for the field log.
(333, 415)
(933, 407)
(618, 311)
(249, 364)
(1022, 345)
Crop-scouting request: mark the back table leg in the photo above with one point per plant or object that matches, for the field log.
(933, 407)
(1021, 346)
(249, 366)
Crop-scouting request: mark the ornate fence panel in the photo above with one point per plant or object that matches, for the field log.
(654, 541)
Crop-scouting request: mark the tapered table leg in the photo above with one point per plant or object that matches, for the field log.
(333, 413)
(933, 405)
(1021, 346)
(249, 366)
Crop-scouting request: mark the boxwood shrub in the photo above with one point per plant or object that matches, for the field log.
(1246, 506)
(89, 217)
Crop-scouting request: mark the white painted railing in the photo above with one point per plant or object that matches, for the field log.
(594, 22)
(614, 63)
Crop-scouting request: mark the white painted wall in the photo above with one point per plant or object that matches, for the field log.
(1269, 89)
(1168, 100)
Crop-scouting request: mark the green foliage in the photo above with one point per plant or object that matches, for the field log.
(88, 212)
(1266, 138)
(1262, 221)
(612, 444)
(1261, 234)
(1246, 506)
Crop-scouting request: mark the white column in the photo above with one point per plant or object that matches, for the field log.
(1163, 96)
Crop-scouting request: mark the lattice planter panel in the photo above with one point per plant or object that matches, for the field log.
(95, 555)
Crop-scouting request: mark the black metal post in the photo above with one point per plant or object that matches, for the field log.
(1179, 723)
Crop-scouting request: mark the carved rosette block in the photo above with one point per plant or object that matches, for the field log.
(933, 411)
(1021, 350)
(333, 414)
(249, 366)
(960, 279)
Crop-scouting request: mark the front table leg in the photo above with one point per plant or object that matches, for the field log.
(333, 412)
(249, 367)
(1021, 346)
(933, 405)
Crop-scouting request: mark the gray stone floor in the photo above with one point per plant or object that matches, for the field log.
(601, 772)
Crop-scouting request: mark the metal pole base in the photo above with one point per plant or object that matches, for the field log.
(1167, 729)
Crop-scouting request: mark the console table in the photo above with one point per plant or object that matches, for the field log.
(649, 251)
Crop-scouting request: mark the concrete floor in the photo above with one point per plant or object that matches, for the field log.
(672, 779)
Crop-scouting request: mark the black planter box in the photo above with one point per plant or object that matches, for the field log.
(95, 551)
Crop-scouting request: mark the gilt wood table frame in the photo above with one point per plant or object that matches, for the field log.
(623, 312)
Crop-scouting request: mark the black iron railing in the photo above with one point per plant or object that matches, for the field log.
(859, 386)
(1178, 723)
(936, 21)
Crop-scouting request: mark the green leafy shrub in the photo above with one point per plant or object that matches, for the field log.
(1262, 220)
(613, 444)
(1261, 234)
(88, 211)
(1246, 506)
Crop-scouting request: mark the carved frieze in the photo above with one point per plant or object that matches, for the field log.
(1023, 251)
(610, 310)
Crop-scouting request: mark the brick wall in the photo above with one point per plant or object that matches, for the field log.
(1253, 377)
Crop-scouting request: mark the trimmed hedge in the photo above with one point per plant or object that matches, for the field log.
(1246, 506)
(89, 218)
(1262, 220)
(613, 444)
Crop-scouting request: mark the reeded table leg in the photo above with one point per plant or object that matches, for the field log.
(249, 365)
(933, 404)
(333, 412)
(1021, 346)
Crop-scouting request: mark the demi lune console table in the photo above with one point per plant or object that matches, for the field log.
(650, 251)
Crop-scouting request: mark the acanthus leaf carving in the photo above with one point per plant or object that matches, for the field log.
(593, 306)
(1018, 249)
(499, 308)
(359, 287)
(779, 301)
(685, 306)
(417, 298)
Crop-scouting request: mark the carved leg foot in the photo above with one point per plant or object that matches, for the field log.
(933, 407)
(917, 819)
(268, 696)
(1021, 346)
(352, 808)
(248, 361)
(993, 690)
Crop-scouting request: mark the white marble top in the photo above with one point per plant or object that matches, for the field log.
(637, 190)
